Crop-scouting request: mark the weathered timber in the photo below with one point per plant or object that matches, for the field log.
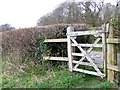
(56, 58)
(56, 40)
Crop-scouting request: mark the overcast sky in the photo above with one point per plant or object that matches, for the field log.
(25, 13)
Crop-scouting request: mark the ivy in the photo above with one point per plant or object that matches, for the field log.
(40, 48)
(115, 22)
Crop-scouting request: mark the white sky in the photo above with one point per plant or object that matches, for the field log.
(25, 13)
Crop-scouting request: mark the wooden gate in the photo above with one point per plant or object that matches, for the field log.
(71, 42)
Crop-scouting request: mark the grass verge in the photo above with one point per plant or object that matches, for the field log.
(50, 75)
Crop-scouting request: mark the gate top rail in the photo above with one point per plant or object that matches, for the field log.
(71, 32)
(79, 33)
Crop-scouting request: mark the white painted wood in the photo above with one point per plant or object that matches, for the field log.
(70, 29)
(104, 52)
(74, 41)
(86, 55)
(94, 65)
(56, 58)
(96, 41)
(89, 72)
(107, 27)
(88, 45)
(83, 63)
(56, 40)
(69, 48)
(80, 33)
(71, 36)
(77, 54)
(86, 64)
(80, 61)
(88, 51)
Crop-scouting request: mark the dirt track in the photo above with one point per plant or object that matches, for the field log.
(97, 57)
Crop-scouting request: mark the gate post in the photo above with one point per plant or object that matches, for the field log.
(111, 55)
(69, 47)
(104, 47)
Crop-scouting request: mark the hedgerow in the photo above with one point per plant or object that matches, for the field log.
(21, 42)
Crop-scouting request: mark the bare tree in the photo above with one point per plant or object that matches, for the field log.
(93, 13)
(107, 12)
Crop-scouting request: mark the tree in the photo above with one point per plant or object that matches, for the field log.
(92, 13)
(117, 9)
(66, 12)
(6, 27)
(107, 12)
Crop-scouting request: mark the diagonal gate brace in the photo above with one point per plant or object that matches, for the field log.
(86, 55)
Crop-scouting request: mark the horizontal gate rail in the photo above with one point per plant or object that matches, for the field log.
(88, 45)
(77, 54)
(56, 40)
(56, 58)
(88, 72)
(78, 33)
(113, 40)
(113, 67)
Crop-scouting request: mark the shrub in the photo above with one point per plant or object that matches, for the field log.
(39, 48)
(20, 42)
(115, 22)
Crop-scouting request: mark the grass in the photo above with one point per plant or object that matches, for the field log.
(97, 49)
(50, 75)
(65, 79)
